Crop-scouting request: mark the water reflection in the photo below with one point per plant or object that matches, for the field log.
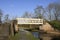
(35, 34)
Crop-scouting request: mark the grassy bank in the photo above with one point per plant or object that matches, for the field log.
(19, 36)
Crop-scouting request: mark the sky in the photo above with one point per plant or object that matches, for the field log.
(18, 7)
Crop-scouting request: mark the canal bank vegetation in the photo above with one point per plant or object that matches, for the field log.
(55, 24)
(18, 36)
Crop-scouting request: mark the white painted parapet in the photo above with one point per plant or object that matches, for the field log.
(29, 21)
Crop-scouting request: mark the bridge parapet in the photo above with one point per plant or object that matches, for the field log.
(29, 21)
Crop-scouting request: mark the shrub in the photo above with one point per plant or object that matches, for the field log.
(55, 24)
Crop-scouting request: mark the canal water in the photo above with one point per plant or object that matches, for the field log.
(35, 34)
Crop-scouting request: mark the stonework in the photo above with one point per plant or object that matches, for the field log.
(47, 27)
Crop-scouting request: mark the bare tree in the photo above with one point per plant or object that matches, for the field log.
(26, 15)
(39, 12)
(53, 11)
(56, 11)
(49, 11)
(1, 15)
(6, 18)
